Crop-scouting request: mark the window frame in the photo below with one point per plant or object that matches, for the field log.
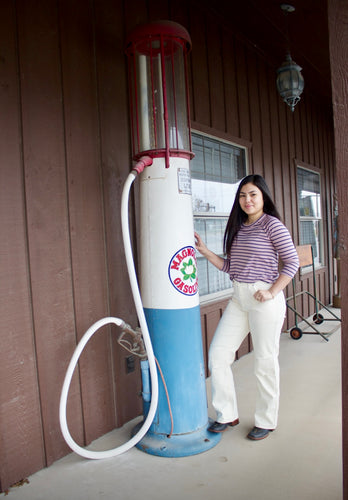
(229, 141)
(303, 218)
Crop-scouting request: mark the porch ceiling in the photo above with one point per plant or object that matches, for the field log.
(266, 26)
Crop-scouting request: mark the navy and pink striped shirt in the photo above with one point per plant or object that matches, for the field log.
(256, 249)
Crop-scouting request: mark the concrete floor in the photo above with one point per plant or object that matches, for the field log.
(301, 460)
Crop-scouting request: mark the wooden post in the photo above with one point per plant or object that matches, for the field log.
(338, 42)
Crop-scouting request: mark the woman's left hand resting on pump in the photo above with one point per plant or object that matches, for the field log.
(261, 295)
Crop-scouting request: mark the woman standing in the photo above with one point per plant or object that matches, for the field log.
(253, 242)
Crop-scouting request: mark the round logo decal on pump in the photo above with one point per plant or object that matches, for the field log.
(182, 271)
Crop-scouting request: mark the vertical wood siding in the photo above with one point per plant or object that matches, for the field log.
(64, 156)
(19, 393)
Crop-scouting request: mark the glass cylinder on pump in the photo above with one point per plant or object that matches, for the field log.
(158, 90)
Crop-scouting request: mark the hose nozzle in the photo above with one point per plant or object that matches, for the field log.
(136, 344)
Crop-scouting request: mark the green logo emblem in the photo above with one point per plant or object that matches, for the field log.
(189, 271)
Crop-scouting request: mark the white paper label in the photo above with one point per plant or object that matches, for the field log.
(184, 181)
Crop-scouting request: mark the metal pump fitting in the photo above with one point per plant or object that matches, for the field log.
(135, 344)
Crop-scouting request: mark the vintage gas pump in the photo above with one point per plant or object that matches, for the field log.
(168, 281)
(175, 405)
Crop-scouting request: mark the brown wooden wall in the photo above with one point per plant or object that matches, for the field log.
(64, 156)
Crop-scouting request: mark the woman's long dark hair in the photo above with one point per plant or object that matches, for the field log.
(238, 216)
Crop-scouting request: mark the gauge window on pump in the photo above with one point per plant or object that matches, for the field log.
(216, 170)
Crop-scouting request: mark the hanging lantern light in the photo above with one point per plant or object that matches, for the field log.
(290, 82)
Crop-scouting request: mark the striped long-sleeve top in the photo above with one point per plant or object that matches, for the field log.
(256, 249)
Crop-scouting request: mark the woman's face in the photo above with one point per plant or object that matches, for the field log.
(251, 201)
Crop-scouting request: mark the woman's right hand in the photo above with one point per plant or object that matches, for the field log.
(200, 245)
(217, 261)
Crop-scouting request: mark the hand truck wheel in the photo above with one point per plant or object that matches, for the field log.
(296, 333)
(318, 319)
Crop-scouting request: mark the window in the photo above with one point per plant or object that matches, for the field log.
(216, 170)
(310, 213)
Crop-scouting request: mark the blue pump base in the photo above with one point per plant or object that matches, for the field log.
(178, 445)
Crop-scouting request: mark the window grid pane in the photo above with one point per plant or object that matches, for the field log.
(210, 279)
(216, 171)
(311, 234)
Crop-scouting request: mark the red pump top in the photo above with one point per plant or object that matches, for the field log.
(158, 29)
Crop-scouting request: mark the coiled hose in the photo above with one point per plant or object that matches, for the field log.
(120, 323)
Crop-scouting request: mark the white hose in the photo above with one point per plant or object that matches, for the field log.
(119, 322)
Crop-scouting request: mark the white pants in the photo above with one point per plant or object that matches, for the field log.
(264, 321)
